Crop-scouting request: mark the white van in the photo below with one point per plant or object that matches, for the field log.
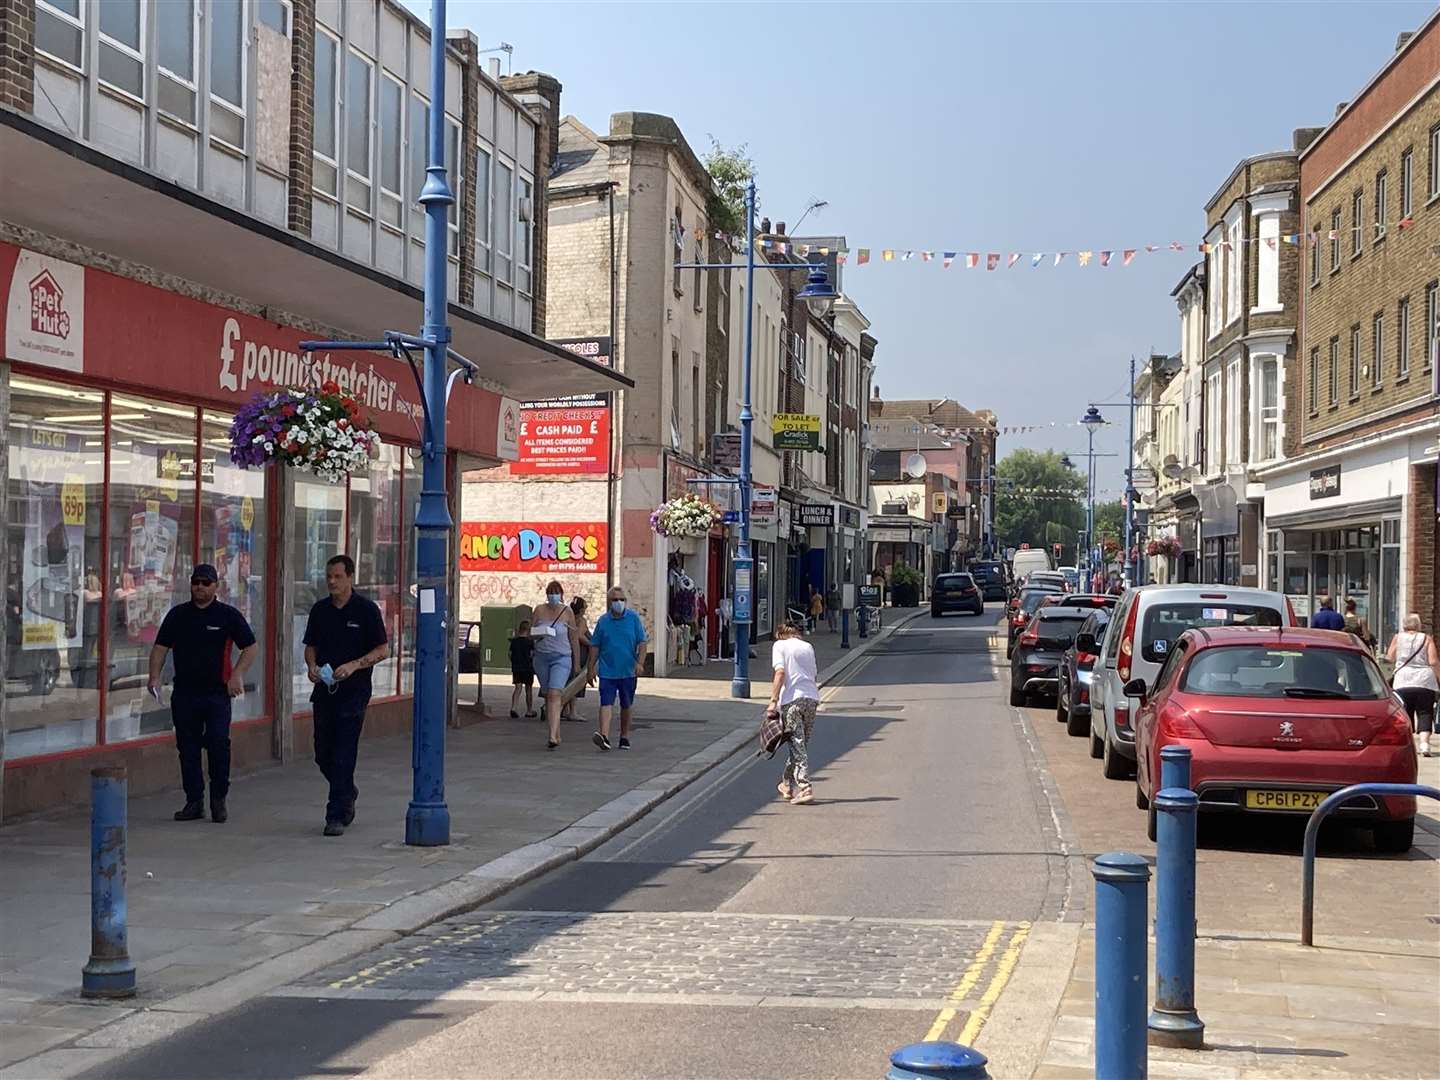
(1028, 560)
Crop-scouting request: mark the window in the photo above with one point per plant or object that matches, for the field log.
(175, 42)
(60, 31)
(482, 210)
(1377, 349)
(697, 444)
(1235, 260)
(1267, 408)
(456, 180)
(699, 258)
(1212, 278)
(1402, 339)
(1334, 371)
(227, 71)
(392, 151)
(1432, 295)
(1267, 263)
(318, 514)
(677, 240)
(524, 233)
(1335, 221)
(1407, 180)
(1314, 262)
(1314, 375)
(675, 392)
(1382, 197)
(1357, 216)
(1213, 449)
(122, 57)
(1433, 187)
(419, 137)
(358, 73)
(1232, 414)
(504, 215)
(326, 177)
(1258, 671)
(1355, 360)
(276, 15)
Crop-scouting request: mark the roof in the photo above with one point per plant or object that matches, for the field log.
(1273, 155)
(901, 434)
(582, 160)
(942, 412)
(1300, 636)
(1196, 274)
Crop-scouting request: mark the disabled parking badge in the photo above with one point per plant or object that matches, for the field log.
(1160, 646)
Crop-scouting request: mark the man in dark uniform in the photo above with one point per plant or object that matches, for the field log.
(201, 634)
(344, 639)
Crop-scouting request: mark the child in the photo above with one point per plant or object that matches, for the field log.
(522, 669)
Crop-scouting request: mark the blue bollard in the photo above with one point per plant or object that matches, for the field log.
(1174, 1021)
(936, 1061)
(110, 973)
(844, 628)
(864, 621)
(1174, 767)
(1121, 883)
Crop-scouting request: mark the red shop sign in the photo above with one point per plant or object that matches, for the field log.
(544, 547)
(141, 337)
(556, 441)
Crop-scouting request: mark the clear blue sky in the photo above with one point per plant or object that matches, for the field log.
(978, 127)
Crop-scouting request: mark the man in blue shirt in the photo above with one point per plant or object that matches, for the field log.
(617, 646)
(1327, 618)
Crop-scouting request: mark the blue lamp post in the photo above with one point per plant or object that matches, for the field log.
(819, 296)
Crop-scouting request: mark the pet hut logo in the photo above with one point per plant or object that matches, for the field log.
(47, 306)
(45, 312)
(510, 546)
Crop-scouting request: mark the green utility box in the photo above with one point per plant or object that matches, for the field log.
(497, 627)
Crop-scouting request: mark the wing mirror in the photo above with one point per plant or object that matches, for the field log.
(1136, 688)
(1085, 643)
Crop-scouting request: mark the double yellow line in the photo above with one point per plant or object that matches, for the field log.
(1004, 968)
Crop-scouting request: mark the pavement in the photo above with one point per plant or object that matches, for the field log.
(220, 914)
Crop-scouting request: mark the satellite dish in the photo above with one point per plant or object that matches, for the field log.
(915, 465)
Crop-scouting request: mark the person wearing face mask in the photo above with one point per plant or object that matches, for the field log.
(617, 650)
(552, 625)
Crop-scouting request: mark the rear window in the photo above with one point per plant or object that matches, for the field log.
(1089, 601)
(953, 581)
(1031, 599)
(985, 573)
(1057, 626)
(1280, 672)
(1165, 622)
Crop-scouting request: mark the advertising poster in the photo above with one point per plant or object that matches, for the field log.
(564, 440)
(52, 560)
(539, 547)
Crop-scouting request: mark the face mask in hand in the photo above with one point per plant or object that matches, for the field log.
(555, 598)
(327, 676)
(617, 607)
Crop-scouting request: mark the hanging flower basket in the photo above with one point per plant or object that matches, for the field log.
(1165, 547)
(684, 517)
(318, 430)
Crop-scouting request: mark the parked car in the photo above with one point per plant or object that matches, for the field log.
(1149, 620)
(1088, 601)
(1025, 604)
(1035, 664)
(1276, 720)
(990, 577)
(956, 592)
(1072, 695)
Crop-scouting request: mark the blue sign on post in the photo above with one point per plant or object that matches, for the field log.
(742, 606)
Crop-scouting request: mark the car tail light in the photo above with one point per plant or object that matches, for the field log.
(1083, 658)
(1396, 734)
(1122, 716)
(1031, 636)
(1082, 694)
(1127, 644)
(1178, 725)
(1018, 619)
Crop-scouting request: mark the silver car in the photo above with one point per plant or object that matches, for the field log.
(1146, 623)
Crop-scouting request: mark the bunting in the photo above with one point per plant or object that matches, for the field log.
(949, 258)
(992, 260)
(1014, 257)
(972, 260)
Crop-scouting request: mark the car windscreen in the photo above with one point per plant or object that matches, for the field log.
(1031, 599)
(953, 581)
(1276, 671)
(1057, 627)
(1166, 621)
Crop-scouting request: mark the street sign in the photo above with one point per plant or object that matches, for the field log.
(725, 449)
(796, 431)
(741, 603)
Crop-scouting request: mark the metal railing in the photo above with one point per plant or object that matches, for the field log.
(1312, 835)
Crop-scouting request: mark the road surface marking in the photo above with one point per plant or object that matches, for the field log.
(967, 982)
(1003, 971)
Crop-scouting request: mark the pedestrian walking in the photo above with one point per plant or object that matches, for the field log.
(552, 627)
(832, 607)
(522, 670)
(817, 608)
(1327, 618)
(202, 634)
(1356, 626)
(617, 654)
(344, 639)
(1417, 665)
(795, 693)
(577, 657)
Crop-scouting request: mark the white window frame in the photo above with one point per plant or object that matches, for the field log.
(1377, 349)
(1214, 286)
(193, 83)
(1357, 226)
(484, 235)
(289, 17)
(1233, 433)
(368, 182)
(1432, 302)
(70, 20)
(1266, 419)
(138, 55)
(1382, 198)
(1315, 379)
(455, 177)
(415, 225)
(1402, 339)
(524, 252)
(1315, 262)
(1267, 264)
(1235, 283)
(1335, 370)
(1355, 361)
(213, 99)
(1337, 225)
(503, 216)
(332, 161)
(1433, 186)
(1407, 182)
(1213, 415)
(390, 199)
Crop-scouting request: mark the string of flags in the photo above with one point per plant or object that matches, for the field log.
(1026, 429)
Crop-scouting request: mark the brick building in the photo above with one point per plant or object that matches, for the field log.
(1351, 513)
(177, 215)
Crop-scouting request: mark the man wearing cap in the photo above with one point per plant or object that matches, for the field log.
(202, 634)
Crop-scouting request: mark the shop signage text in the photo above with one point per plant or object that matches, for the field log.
(45, 312)
(795, 431)
(544, 547)
(816, 514)
(564, 440)
(763, 503)
(1325, 483)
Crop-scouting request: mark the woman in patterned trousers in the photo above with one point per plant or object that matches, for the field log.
(794, 693)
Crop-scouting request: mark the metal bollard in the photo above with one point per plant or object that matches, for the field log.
(110, 973)
(1174, 767)
(844, 628)
(1174, 1021)
(1121, 883)
(864, 621)
(937, 1061)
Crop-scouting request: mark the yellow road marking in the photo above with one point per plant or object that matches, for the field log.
(967, 982)
(1004, 968)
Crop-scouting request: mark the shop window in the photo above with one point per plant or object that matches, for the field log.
(53, 583)
(319, 534)
(234, 534)
(375, 544)
(151, 553)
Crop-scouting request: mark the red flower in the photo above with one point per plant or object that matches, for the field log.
(343, 424)
(288, 410)
(350, 405)
(330, 386)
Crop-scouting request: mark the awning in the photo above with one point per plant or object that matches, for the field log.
(67, 189)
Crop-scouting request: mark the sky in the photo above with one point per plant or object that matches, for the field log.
(1007, 127)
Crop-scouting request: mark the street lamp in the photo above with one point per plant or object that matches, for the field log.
(819, 295)
(1092, 422)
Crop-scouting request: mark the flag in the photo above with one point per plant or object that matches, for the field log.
(1175, 245)
(1150, 249)
(1203, 248)
(1291, 238)
(1127, 255)
(824, 251)
(782, 247)
(1085, 257)
(926, 256)
(1059, 255)
(1035, 259)
(992, 260)
(802, 249)
(1014, 258)
(1333, 235)
(1270, 242)
(1104, 258)
(888, 255)
(840, 258)
(862, 256)
(1406, 222)
(972, 260)
(949, 258)
(906, 256)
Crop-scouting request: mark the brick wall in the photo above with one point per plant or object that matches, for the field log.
(1420, 548)
(17, 55)
(302, 115)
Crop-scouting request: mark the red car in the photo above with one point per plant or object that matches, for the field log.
(1276, 718)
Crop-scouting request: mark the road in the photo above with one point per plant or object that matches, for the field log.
(729, 928)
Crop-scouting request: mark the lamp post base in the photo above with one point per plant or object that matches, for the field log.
(112, 977)
(740, 688)
(1180, 1029)
(427, 825)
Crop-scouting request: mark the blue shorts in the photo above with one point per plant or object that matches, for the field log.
(624, 687)
(553, 670)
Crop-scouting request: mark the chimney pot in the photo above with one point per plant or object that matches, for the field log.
(493, 67)
(1341, 107)
(1403, 39)
(780, 228)
(765, 225)
(1303, 137)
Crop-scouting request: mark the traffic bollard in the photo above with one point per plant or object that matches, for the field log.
(1175, 767)
(1121, 884)
(110, 973)
(864, 621)
(844, 628)
(937, 1061)
(1174, 1022)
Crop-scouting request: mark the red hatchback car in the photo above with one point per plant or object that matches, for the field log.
(1276, 718)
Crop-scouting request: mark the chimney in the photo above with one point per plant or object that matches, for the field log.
(764, 226)
(1403, 39)
(540, 94)
(493, 68)
(1304, 136)
(1341, 107)
(779, 228)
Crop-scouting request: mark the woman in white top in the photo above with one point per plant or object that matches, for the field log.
(1416, 663)
(794, 693)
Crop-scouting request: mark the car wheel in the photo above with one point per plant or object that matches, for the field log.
(1062, 710)
(1395, 837)
(1017, 697)
(1077, 724)
(1151, 823)
(1112, 765)
(1141, 802)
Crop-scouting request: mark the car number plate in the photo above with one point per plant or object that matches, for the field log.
(1283, 800)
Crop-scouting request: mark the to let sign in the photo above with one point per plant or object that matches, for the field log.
(796, 431)
(1325, 483)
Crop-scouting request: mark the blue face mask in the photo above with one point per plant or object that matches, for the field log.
(555, 597)
(617, 607)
